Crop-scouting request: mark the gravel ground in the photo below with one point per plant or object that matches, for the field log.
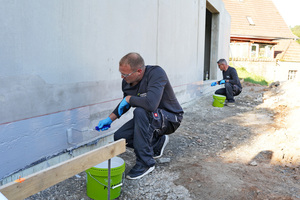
(250, 151)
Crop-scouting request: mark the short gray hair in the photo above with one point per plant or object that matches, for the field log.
(134, 60)
(222, 61)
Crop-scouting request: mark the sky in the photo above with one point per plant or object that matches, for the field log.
(289, 10)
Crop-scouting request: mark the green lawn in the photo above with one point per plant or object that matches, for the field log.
(250, 77)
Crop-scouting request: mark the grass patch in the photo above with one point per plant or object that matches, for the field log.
(250, 77)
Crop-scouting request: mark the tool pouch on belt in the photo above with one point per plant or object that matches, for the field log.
(165, 123)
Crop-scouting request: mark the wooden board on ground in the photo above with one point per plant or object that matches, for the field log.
(41, 180)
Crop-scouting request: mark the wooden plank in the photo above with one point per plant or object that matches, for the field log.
(45, 178)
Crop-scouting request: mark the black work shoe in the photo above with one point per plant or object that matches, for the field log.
(139, 171)
(230, 104)
(158, 154)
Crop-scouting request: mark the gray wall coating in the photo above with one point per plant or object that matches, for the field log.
(59, 65)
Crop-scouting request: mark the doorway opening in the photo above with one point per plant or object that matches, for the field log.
(207, 47)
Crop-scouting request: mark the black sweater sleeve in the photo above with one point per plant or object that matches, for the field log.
(125, 109)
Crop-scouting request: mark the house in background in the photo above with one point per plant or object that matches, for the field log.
(287, 54)
(261, 41)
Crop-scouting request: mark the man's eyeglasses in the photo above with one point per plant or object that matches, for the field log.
(126, 75)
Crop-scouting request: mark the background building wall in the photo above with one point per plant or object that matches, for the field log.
(59, 65)
(271, 71)
(283, 69)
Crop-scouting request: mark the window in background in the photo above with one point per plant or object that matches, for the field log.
(292, 74)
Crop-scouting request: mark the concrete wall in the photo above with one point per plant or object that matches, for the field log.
(59, 65)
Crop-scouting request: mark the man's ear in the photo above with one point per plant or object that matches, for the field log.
(139, 70)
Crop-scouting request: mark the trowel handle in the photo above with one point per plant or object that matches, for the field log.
(105, 126)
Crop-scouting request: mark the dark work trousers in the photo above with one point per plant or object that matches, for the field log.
(229, 91)
(141, 134)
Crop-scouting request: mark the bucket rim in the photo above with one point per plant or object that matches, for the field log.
(219, 95)
(104, 165)
(104, 173)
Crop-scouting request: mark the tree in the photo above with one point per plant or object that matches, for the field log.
(296, 31)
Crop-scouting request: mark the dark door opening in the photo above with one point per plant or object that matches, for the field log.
(207, 47)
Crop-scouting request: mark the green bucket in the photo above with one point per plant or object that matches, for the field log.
(219, 100)
(97, 179)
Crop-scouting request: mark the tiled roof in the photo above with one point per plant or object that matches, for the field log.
(268, 22)
(289, 50)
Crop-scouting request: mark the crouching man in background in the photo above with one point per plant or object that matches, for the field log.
(231, 80)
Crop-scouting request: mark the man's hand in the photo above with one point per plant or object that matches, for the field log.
(123, 105)
(104, 124)
(222, 82)
(213, 84)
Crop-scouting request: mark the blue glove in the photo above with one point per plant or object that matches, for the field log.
(123, 105)
(104, 124)
(213, 84)
(222, 82)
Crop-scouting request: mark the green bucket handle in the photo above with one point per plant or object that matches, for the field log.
(219, 101)
(113, 187)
